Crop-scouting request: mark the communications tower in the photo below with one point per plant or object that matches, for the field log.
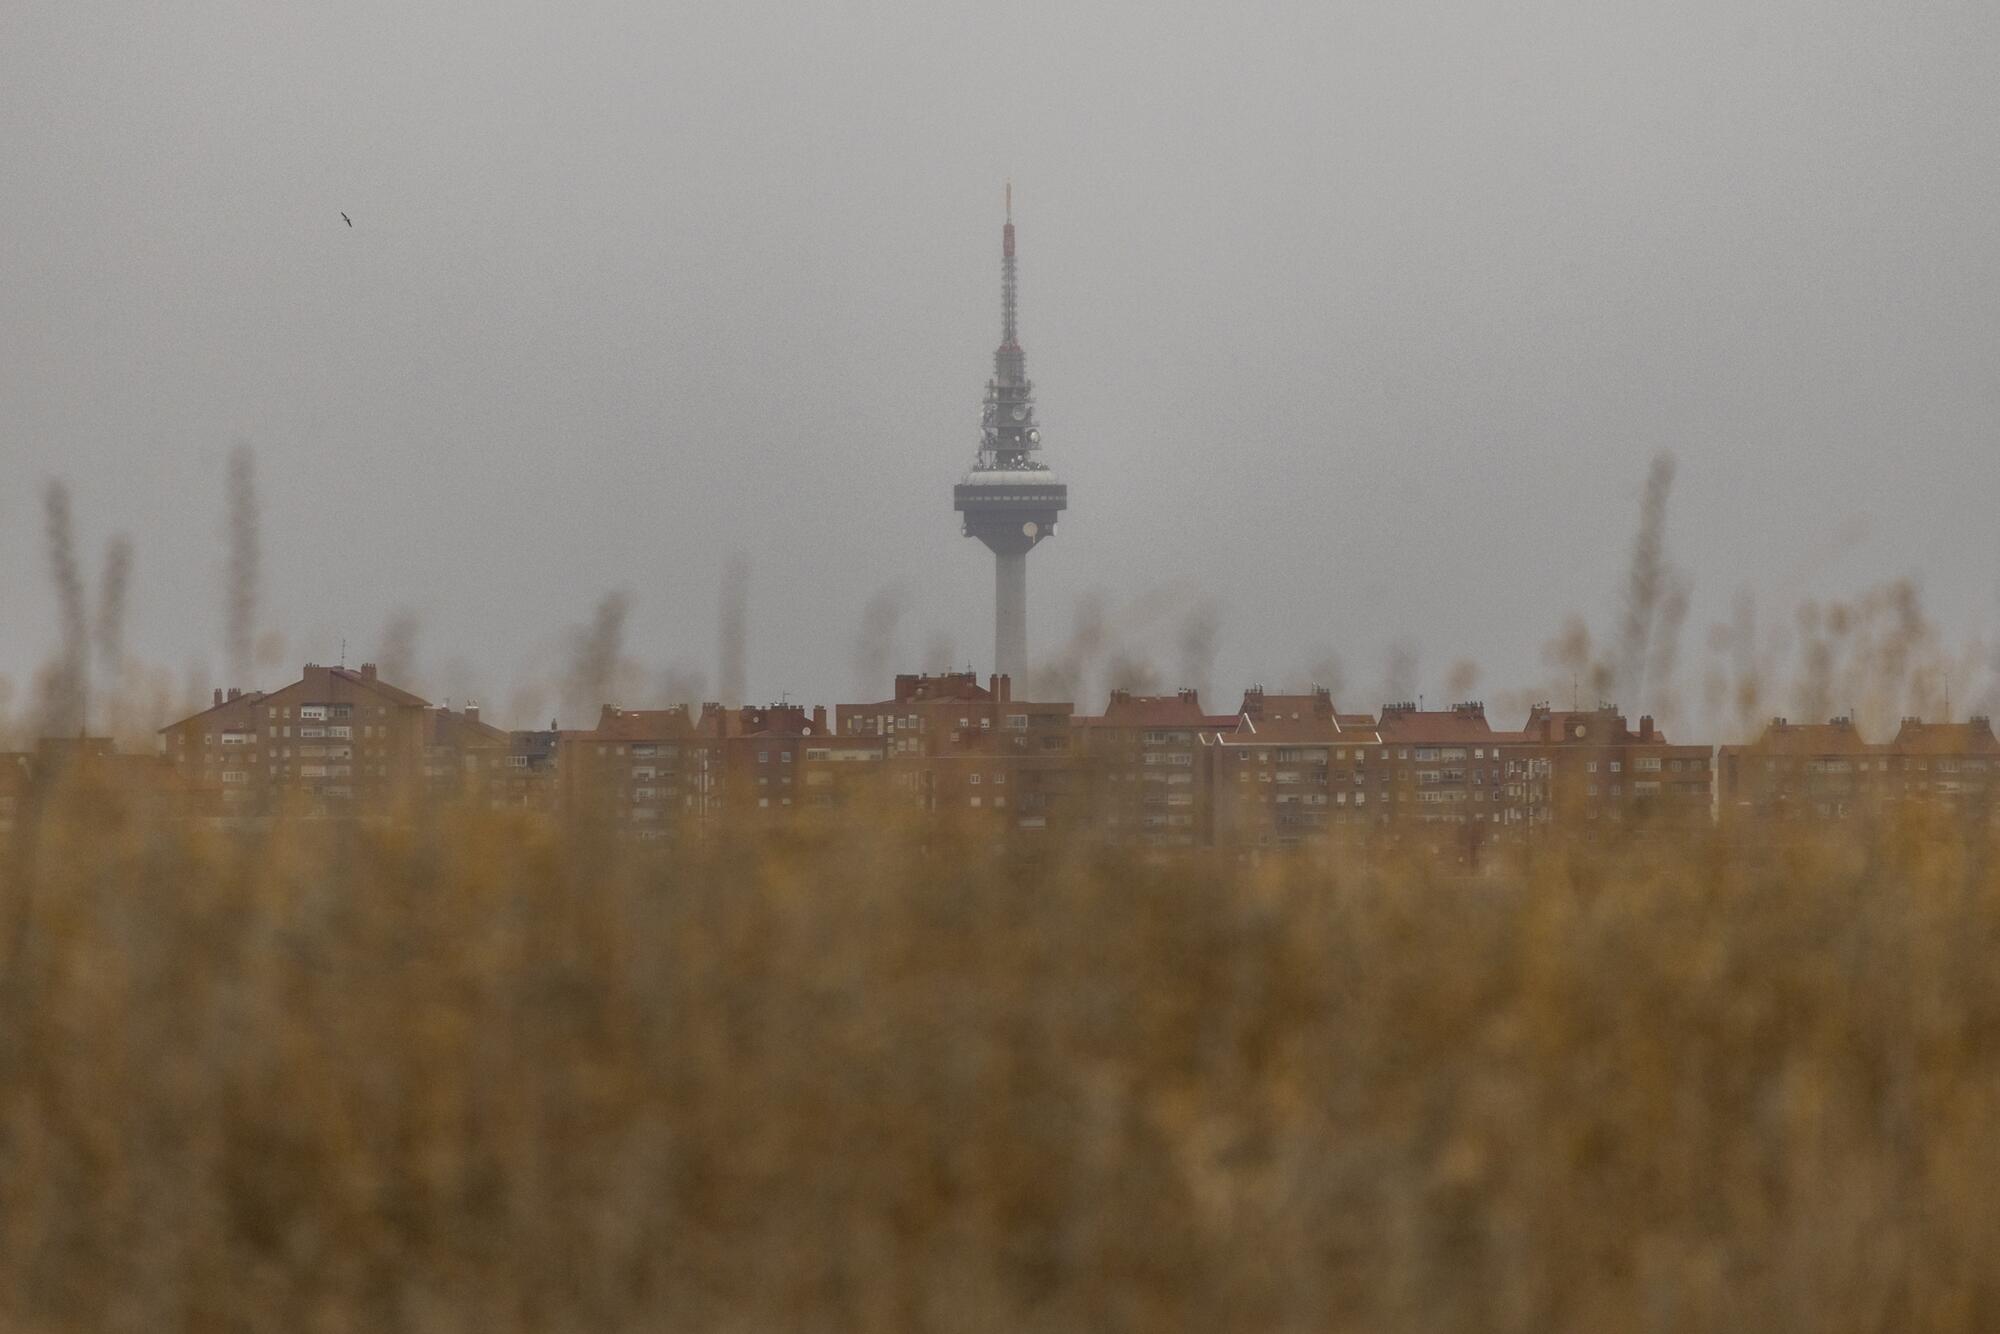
(1010, 500)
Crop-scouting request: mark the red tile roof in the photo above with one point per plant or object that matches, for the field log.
(1917, 737)
(1183, 709)
(640, 725)
(1839, 737)
(1463, 723)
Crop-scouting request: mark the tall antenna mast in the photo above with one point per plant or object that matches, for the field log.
(1008, 338)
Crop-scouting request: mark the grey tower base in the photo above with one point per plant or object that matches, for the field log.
(1010, 614)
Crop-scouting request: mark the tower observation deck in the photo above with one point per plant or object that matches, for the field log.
(1010, 500)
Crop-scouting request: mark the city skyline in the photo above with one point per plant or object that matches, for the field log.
(1375, 356)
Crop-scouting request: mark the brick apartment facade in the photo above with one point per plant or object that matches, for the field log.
(1145, 772)
(1290, 771)
(1827, 772)
(1586, 766)
(1151, 770)
(335, 741)
(976, 752)
(1439, 767)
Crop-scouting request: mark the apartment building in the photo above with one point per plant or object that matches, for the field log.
(645, 772)
(334, 742)
(461, 753)
(1438, 767)
(1954, 765)
(757, 757)
(127, 783)
(526, 775)
(1144, 768)
(975, 752)
(1288, 772)
(1804, 771)
(1591, 765)
(657, 773)
(1828, 772)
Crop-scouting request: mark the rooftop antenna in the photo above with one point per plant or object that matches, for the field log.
(343, 653)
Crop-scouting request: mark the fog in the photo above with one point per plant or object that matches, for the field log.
(1356, 328)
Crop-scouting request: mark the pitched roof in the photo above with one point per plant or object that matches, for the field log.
(615, 724)
(1462, 723)
(363, 679)
(1918, 737)
(368, 681)
(442, 726)
(1182, 709)
(247, 697)
(1259, 704)
(1837, 737)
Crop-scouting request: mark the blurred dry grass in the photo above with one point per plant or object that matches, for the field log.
(473, 1075)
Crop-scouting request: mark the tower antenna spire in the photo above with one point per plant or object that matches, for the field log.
(1008, 337)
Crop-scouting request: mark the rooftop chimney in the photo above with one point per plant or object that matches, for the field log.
(819, 720)
(218, 695)
(368, 671)
(234, 693)
(471, 713)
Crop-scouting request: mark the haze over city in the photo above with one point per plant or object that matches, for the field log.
(868, 665)
(1355, 330)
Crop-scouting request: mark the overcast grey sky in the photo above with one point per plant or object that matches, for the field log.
(1363, 319)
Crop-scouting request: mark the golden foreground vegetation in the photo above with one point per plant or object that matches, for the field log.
(475, 1074)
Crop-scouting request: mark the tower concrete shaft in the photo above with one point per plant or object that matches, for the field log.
(1010, 614)
(1010, 501)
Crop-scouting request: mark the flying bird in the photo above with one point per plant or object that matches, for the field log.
(349, 221)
